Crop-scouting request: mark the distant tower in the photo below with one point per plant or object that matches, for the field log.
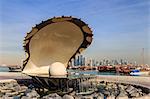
(72, 62)
(83, 61)
(78, 60)
(75, 60)
(135, 63)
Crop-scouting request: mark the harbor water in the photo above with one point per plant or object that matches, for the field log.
(4, 69)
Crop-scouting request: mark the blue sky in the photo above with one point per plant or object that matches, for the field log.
(120, 27)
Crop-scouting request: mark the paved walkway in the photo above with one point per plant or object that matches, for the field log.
(135, 80)
(13, 75)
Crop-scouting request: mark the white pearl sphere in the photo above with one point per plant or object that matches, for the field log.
(57, 69)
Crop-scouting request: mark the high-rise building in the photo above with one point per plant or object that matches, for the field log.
(80, 60)
(83, 61)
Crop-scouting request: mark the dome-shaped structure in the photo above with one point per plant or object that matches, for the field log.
(57, 39)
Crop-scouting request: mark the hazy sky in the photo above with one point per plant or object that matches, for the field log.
(120, 27)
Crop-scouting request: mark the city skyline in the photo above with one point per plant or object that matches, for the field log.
(120, 27)
(81, 60)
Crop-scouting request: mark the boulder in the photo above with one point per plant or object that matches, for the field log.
(6, 97)
(133, 91)
(122, 87)
(17, 97)
(17, 88)
(33, 94)
(135, 94)
(86, 97)
(72, 93)
(52, 96)
(12, 94)
(25, 97)
(95, 95)
(124, 97)
(68, 97)
(111, 97)
(5, 90)
(100, 97)
(129, 88)
(123, 93)
(106, 93)
(28, 91)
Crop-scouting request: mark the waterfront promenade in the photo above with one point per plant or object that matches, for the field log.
(135, 80)
(13, 75)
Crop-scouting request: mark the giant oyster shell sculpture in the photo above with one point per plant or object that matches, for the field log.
(52, 44)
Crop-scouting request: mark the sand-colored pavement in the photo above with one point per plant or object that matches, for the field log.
(13, 75)
(135, 80)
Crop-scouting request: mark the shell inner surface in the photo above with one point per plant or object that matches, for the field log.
(56, 42)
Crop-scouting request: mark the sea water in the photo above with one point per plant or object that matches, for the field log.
(94, 72)
(4, 69)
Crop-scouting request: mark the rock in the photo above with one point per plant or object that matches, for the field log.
(129, 88)
(125, 86)
(106, 93)
(139, 90)
(10, 85)
(33, 94)
(135, 94)
(114, 87)
(52, 96)
(73, 93)
(111, 97)
(25, 97)
(132, 91)
(108, 87)
(68, 97)
(17, 88)
(95, 95)
(5, 90)
(86, 97)
(124, 97)
(143, 94)
(121, 87)
(101, 88)
(17, 97)
(77, 97)
(22, 94)
(1, 95)
(23, 89)
(115, 92)
(100, 94)
(100, 97)
(30, 86)
(28, 91)
(12, 94)
(6, 97)
(122, 93)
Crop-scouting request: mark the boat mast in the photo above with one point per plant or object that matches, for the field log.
(143, 56)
